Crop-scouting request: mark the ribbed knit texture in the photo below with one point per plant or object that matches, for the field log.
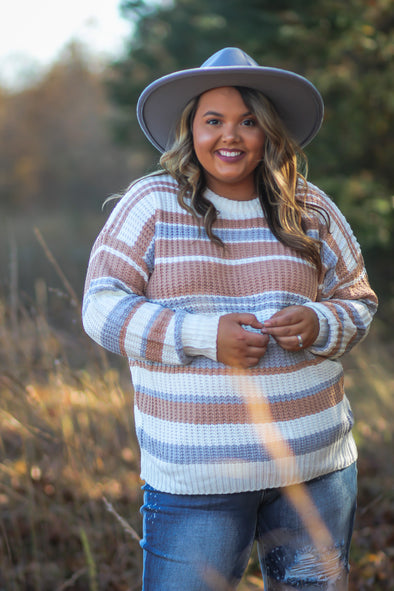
(155, 290)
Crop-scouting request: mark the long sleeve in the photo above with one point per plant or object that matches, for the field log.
(156, 288)
(116, 312)
(346, 303)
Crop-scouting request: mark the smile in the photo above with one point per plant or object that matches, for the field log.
(230, 154)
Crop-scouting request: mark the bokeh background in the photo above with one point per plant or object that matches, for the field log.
(70, 77)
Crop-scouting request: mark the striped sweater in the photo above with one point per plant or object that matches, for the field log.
(155, 290)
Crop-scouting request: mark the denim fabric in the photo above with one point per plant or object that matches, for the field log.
(203, 542)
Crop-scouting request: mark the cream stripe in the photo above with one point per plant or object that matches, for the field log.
(220, 261)
(212, 435)
(223, 386)
(240, 476)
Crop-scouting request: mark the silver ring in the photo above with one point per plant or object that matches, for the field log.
(300, 341)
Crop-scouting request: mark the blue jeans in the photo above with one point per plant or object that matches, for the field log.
(203, 542)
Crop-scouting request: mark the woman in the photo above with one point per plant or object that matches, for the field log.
(233, 286)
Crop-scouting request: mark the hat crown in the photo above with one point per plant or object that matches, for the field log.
(229, 56)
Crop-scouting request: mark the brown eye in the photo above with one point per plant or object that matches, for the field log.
(249, 122)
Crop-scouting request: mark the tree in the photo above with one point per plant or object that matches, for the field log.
(345, 48)
(57, 146)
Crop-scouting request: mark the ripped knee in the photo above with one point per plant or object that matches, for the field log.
(306, 568)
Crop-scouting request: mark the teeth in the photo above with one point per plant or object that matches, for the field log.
(229, 153)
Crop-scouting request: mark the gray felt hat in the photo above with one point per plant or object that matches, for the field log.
(298, 103)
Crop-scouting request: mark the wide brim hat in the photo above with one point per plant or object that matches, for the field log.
(297, 101)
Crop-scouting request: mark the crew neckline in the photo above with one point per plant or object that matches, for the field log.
(224, 205)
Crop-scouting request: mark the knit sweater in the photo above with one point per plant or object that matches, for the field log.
(156, 288)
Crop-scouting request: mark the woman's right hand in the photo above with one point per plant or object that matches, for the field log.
(238, 347)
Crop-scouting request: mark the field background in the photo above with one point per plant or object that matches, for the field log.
(69, 462)
(69, 471)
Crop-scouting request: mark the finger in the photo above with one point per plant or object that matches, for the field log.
(256, 352)
(255, 339)
(292, 343)
(286, 330)
(250, 358)
(250, 351)
(289, 315)
(253, 361)
(250, 362)
(249, 320)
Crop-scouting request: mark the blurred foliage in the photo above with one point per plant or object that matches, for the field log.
(67, 144)
(344, 48)
(57, 149)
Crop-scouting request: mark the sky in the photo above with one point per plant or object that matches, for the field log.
(34, 32)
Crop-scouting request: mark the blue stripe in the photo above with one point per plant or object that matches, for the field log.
(216, 398)
(192, 454)
(255, 304)
(360, 325)
(179, 316)
(170, 231)
(110, 332)
(108, 283)
(149, 256)
(330, 259)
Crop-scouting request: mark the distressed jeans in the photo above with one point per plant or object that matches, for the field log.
(203, 542)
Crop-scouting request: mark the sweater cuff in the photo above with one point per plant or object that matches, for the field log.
(199, 335)
(324, 329)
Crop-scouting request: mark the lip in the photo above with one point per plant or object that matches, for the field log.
(230, 155)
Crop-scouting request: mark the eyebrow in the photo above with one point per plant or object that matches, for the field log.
(214, 113)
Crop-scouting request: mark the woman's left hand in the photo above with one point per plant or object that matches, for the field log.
(293, 328)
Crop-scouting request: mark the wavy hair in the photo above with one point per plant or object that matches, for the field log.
(277, 178)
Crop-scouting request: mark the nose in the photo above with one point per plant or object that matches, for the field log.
(230, 132)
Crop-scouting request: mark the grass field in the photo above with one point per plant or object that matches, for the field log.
(69, 484)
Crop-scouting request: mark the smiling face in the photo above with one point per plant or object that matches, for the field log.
(228, 142)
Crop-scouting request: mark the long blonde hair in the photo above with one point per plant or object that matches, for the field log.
(277, 177)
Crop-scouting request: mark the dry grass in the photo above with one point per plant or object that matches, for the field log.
(69, 485)
(67, 441)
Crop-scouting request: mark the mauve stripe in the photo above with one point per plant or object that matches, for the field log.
(238, 249)
(111, 265)
(179, 218)
(204, 277)
(256, 411)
